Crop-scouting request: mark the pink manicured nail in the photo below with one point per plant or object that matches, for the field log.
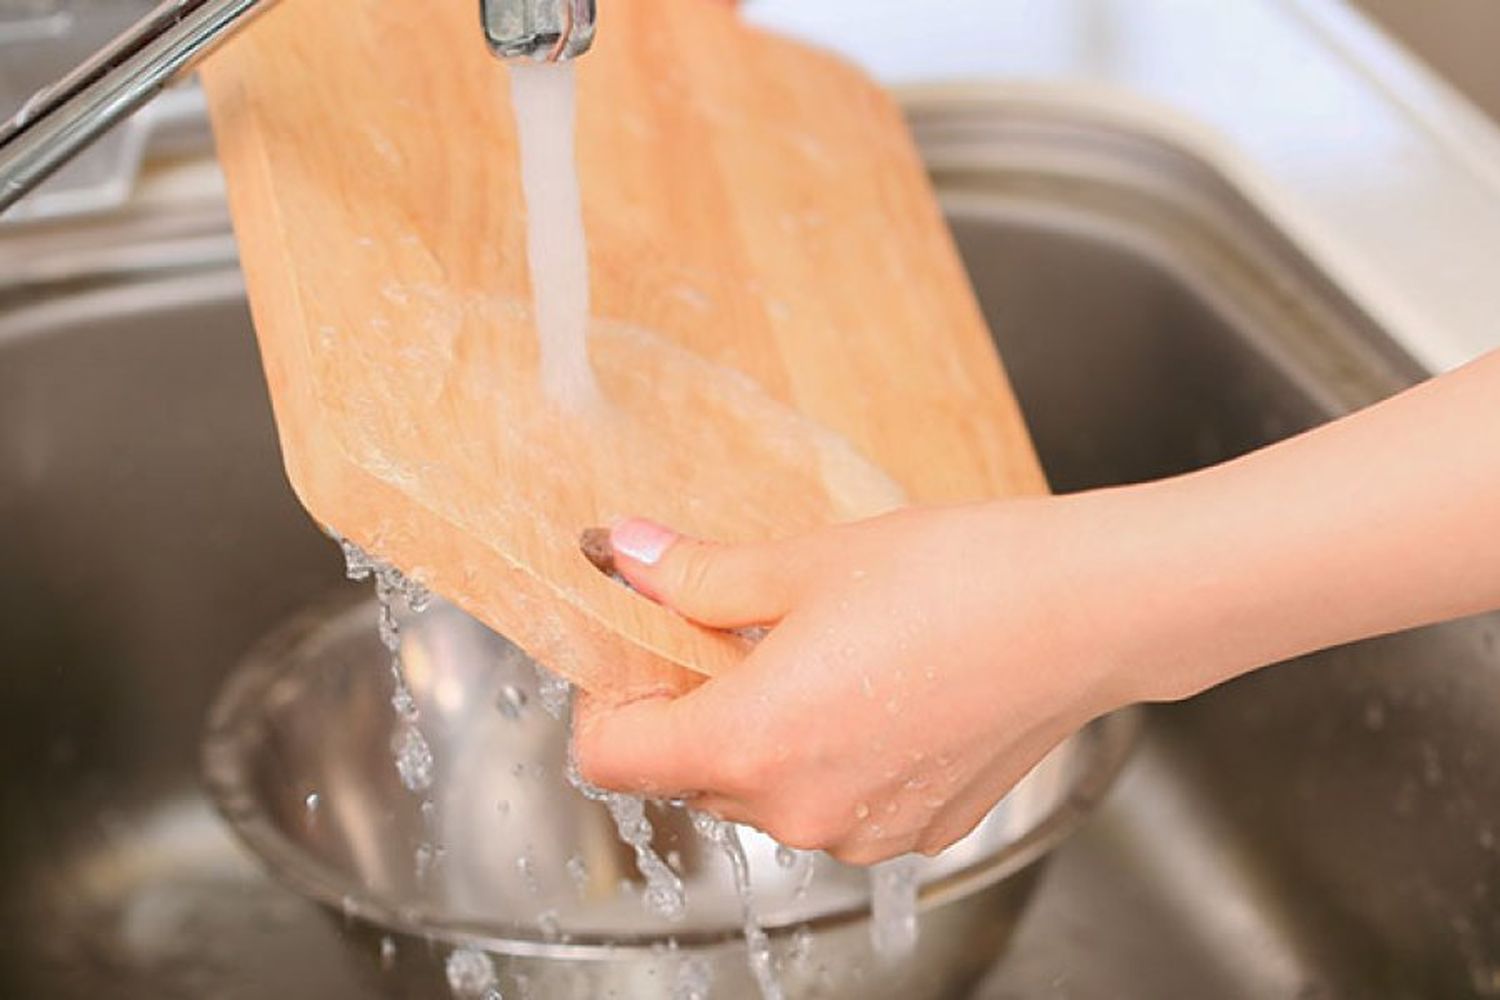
(641, 540)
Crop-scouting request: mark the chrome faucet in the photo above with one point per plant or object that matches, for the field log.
(167, 43)
(548, 30)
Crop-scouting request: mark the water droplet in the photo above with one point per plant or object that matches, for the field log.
(357, 563)
(805, 878)
(549, 925)
(694, 979)
(553, 692)
(527, 868)
(404, 704)
(752, 634)
(578, 871)
(387, 953)
(512, 702)
(785, 856)
(390, 632)
(861, 811)
(424, 858)
(471, 974)
(893, 907)
(312, 802)
(413, 758)
(802, 945)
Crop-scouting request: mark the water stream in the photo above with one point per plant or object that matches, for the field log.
(542, 98)
(410, 750)
(893, 907)
(727, 839)
(543, 101)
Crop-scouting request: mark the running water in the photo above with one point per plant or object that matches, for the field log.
(893, 908)
(664, 894)
(543, 100)
(694, 979)
(553, 692)
(727, 838)
(542, 97)
(409, 747)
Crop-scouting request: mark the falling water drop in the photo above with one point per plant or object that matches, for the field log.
(471, 975)
(893, 907)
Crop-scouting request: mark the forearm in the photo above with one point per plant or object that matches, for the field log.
(1384, 520)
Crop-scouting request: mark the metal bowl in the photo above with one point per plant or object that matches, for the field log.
(517, 864)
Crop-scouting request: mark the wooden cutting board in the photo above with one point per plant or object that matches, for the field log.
(784, 334)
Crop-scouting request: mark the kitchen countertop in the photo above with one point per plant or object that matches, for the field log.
(1389, 178)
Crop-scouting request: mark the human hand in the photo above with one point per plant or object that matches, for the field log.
(920, 663)
(917, 666)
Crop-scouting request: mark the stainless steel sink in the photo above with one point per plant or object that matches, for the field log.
(1327, 828)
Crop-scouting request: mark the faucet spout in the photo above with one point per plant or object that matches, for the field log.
(540, 30)
(167, 43)
(63, 119)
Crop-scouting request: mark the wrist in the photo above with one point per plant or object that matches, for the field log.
(1158, 588)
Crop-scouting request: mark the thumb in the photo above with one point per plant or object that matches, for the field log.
(722, 586)
(645, 747)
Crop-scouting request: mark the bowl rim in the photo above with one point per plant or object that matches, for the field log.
(1105, 745)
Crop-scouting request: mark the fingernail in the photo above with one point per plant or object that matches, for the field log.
(596, 548)
(641, 540)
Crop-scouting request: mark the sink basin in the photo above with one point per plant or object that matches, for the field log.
(1328, 827)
